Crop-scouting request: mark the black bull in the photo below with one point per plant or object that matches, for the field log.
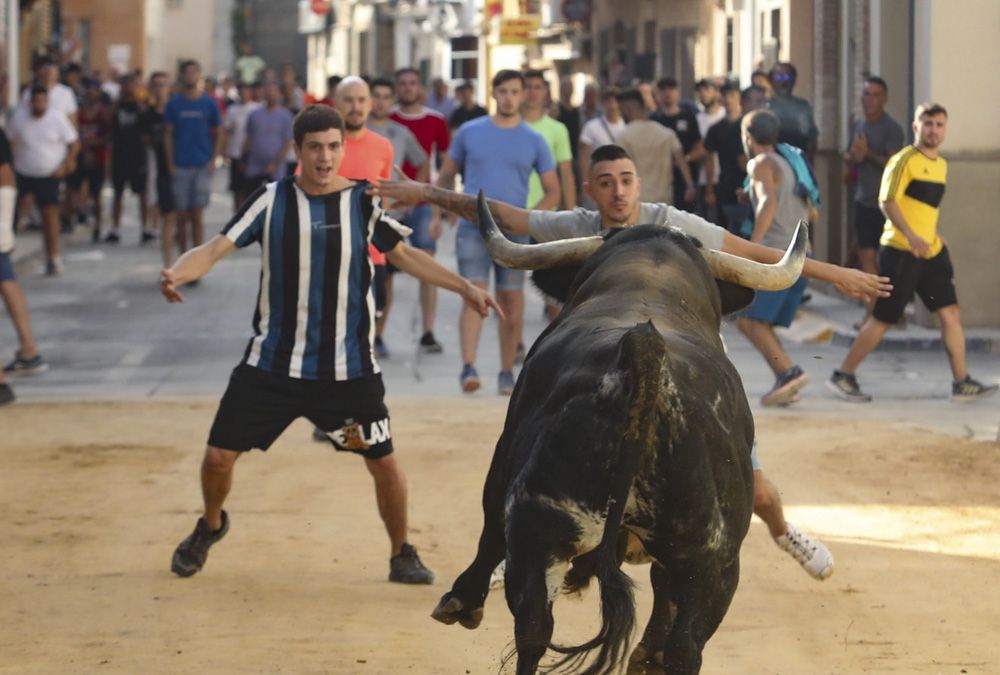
(628, 421)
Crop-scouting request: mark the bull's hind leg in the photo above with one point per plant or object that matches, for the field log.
(537, 561)
(703, 594)
(647, 657)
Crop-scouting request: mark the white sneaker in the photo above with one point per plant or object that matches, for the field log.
(496, 579)
(811, 553)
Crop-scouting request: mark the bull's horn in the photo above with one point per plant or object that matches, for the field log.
(531, 256)
(757, 275)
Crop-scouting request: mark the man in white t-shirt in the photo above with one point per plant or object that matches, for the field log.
(60, 97)
(45, 144)
(604, 129)
(711, 112)
(234, 130)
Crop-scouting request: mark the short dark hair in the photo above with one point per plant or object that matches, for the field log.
(608, 92)
(763, 126)
(705, 83)
(39, 89)
(158, 73)
(535, 74)
(608, 153)
(752, 89)
(667, 83)
(73, 67)
(187, 63)
(405, 70)
(729, 86)
(333, 81)
(315, 118)
(758, 73)
(506, 76)
(630, 95)
(464, 86)
(381, 82)
(875, 79)
(929, 108)
(43, 60)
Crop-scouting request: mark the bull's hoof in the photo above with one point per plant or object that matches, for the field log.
(645, 662)
(451, 609)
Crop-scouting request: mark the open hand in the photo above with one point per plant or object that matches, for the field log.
(481, 301)
(168, 286)
(400, 192)
(862, 285)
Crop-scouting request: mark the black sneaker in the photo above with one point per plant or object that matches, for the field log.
(786, 387)
(406, 568)
(22, 366)
(190, 555)
(112, 238)
(429, 345)
(147, 237)
(845, 386)
(971, 390)
(6, 394)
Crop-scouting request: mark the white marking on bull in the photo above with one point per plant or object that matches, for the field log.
(611, 385)
(554, 575)
(590, 523)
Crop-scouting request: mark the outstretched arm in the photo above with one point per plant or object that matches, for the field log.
(849, 281)
(425, 268)
(193, 265)
(406, 192)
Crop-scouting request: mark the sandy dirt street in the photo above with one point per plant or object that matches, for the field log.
(94, 497)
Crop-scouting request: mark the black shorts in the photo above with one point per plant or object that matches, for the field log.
(932, 279)
(258, 406)
(869, 221)
(238, 176)
(134, 175)
(44, 189)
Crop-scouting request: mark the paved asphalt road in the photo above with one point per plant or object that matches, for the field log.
(108, 334)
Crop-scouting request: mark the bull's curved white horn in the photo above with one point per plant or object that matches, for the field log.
(757, 275)
(531, 256)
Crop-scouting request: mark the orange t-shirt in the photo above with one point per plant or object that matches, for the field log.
(370, 158)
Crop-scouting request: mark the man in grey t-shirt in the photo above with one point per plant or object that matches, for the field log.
(874, 139)
(405, 145)
(613, 185)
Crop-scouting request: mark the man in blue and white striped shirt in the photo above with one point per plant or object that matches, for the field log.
(314, 326)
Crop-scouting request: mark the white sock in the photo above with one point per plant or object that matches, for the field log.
(8, 200)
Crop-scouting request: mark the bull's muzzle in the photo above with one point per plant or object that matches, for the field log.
(724, 266)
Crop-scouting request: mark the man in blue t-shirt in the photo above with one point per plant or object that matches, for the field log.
(191, 120)
(497, 154)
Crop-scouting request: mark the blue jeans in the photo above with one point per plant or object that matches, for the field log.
(419, 220)
(192, 187)
(474, 262)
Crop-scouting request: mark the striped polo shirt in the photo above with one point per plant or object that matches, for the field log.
(315, 315)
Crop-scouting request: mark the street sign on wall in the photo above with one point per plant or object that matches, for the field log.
(520, 30)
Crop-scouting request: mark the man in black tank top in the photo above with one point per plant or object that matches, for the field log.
(128, 156)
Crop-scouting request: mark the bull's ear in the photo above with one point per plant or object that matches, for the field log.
(734, 297)
(555, 282)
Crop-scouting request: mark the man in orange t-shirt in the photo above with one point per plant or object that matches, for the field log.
(367, 156)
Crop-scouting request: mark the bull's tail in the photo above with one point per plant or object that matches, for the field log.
(641, 353)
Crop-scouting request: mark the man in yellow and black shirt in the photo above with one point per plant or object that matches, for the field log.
(914, 258)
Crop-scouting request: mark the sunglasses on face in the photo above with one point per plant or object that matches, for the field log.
(782, 77)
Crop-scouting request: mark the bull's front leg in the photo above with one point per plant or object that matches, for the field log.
(464, 602)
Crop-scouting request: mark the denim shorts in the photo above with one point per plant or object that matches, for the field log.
(474, 260)
(192, 187)
(777, 307)
(6, 268)
(418, 219)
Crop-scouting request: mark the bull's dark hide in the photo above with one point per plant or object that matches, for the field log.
(558, 283)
